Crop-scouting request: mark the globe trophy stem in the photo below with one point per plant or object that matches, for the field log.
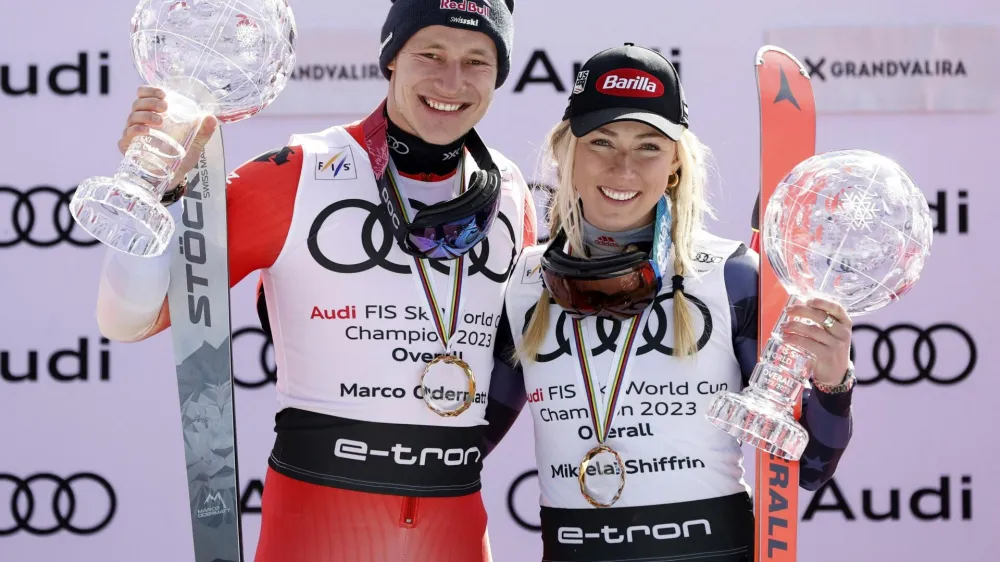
(763, 414)
(124, 211)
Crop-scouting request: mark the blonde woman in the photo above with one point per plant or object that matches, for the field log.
(665, 315)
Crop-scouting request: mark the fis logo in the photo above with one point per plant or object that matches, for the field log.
(336, 165)
(532, 271)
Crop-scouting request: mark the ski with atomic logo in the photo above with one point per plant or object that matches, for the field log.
(201, 328)
(787, 137)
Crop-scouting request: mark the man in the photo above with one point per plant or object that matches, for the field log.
(375, 458)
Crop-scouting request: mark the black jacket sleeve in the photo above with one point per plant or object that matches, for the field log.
(506, 395)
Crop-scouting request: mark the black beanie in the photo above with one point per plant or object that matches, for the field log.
(407, 17)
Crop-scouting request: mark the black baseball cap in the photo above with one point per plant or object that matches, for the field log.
(628, 83)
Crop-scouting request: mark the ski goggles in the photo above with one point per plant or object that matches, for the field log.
(616, 287)
(449, 229)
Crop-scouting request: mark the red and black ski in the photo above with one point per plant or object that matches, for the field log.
(787, 137)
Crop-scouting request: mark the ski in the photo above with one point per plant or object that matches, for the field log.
(198, 298)
(787, 137)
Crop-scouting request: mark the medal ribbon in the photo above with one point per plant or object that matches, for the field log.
(619, 371)
(446, 327)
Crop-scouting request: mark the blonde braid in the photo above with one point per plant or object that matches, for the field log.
(687, 209)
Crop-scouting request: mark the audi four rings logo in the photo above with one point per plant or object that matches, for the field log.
(929, 346)
(396, 146)
(40, 217)
(702, 257)
(532, 500)
(608, 331)
(478, 257)
(268, 373)
(32, 504)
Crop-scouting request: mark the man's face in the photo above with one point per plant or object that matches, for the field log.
(443, 80)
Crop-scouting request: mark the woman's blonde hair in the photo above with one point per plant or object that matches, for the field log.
(688, 208)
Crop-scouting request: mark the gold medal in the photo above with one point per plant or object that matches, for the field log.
(602, 476)
(448, 386)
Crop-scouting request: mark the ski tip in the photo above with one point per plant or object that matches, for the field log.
(775, 48)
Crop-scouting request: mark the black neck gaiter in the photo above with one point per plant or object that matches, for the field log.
(417, 158)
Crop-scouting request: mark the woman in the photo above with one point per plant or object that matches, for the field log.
(631, 191)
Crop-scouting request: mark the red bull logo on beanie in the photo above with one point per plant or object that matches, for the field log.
(631, 83)
(481, 7)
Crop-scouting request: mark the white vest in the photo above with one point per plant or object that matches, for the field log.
(671, 452)
(351, 331)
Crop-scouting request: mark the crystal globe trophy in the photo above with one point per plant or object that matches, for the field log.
(227, 58)
(845, 226)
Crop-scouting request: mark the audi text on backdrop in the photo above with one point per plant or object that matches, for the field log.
(79, 363)
(539, 70)
(67, 79)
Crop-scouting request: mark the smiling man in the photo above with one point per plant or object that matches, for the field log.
(383, 246)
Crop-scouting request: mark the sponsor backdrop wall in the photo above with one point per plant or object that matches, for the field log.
(91, 462)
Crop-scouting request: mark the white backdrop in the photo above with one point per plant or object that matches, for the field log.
(122, 422)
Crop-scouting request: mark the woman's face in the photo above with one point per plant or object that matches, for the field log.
(620, 171)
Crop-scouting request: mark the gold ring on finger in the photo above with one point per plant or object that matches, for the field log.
(829, 321)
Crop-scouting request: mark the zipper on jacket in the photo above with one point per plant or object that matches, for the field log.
(408, 516)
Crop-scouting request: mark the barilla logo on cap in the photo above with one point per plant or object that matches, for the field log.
(630, 83)
(482, 7)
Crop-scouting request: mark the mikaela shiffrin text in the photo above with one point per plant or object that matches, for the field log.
(632, 466)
